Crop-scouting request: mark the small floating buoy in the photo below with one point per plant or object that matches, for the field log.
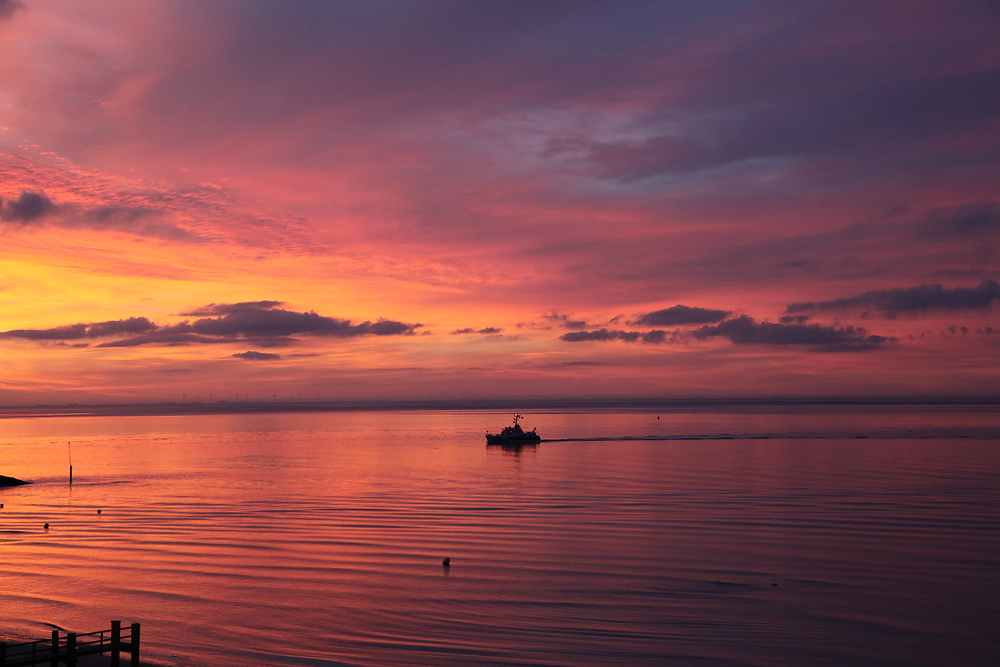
(46, 526)
(446, 562)
(98, 511)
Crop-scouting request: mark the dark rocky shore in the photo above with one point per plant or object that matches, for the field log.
(11, 481)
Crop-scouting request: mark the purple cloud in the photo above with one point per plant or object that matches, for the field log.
(9, 7)
(28, 207)
(678, 315)
(488, 331)
(76, 331)
(893, 302)
(230, 308)
(259, 321)
(744, 330)
(250, 320)
(251, 355)
(605, 335)
(976, 219)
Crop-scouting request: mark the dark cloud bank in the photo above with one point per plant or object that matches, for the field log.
(742, 330)
(904, 300)
(28, 207)
(678, 315)
(36, 209)
(133, 325)
(794, 329)
(258, 321)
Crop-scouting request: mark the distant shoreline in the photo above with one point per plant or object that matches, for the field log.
(626, 404)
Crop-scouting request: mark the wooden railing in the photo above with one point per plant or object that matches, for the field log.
(67, 649)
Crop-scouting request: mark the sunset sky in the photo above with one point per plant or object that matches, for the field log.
(362, 200)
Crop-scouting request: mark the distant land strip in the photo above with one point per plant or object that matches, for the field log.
(665, 405)
(6, 481)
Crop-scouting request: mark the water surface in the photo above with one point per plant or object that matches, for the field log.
(847, 536)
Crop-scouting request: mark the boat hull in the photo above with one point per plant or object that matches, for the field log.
(526, 439)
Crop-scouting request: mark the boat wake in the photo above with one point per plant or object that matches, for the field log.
(888, 434)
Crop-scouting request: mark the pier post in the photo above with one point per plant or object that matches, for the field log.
(55, 648)
(116, 643)
(71, 649)
(135, 645)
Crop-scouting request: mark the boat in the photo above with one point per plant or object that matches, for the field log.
(513, 435)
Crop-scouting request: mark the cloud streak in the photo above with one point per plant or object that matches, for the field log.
(678, 315)
(35, 209)
(132, 325)
(253, 320)
(976, 219)
(909, 300)
(605, 335)
(744, 330)
(252, 355)
(487, 331)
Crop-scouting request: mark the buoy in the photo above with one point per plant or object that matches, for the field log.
(98, 511)
(46, 526)
(446, 562)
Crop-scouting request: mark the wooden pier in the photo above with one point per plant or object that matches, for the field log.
(66, 650)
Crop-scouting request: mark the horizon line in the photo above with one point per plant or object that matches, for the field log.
(167, 408)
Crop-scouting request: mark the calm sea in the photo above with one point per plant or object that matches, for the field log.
(807, 536)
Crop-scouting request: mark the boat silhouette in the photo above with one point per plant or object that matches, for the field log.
(513, 435)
